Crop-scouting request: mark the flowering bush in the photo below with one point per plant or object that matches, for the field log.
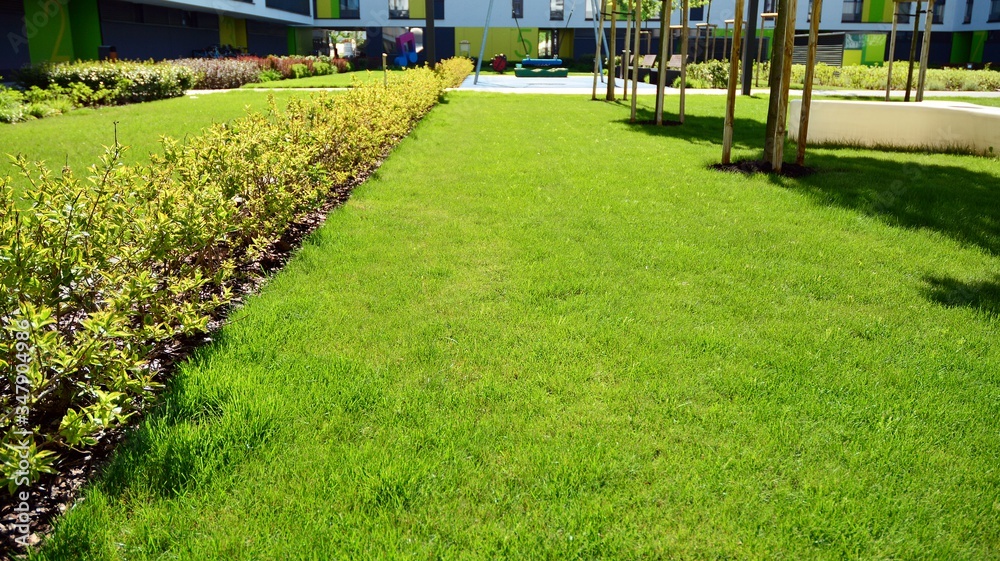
(221, 73)
(97, 271)
(126, 82)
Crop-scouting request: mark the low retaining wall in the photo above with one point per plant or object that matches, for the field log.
(931, 125)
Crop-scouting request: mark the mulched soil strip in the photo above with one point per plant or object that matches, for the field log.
(54, 494)
(751, 167)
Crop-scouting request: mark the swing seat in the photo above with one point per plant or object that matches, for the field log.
(541, 62)
(522, 72)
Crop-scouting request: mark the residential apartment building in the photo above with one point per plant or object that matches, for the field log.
(31, 31)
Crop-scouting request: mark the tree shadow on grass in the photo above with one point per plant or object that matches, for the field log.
(982, 295)
(748, 133)
(958, 202)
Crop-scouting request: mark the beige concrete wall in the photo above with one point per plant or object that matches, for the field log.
(933, 125)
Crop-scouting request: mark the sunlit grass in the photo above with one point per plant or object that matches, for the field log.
(78, 138)
(541, 332)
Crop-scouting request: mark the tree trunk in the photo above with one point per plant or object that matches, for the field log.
(661, 82)
(612, 50)
(774, 80)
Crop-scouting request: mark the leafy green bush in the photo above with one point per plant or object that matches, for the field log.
(126, 82)
(454, 71)
(710, 74)
(715, 74)
(11, 106)
(99, 270)
(300, 71)
(323, 68)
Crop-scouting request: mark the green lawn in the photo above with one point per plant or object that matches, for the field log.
(346, 80)
(79, 137)
(562, 336)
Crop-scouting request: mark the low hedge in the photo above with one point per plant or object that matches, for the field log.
(222, 73)
(715, 74)
(121, 81)
(98, 271)
(454, 71)
(227, 73)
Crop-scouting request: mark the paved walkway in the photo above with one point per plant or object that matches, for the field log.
(585, 84)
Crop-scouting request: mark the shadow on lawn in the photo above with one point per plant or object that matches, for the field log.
(951, 199)
(982, 295)
(956, 201)
(748, 133)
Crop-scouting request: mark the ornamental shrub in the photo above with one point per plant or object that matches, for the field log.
(454, 71)
(126, 82)
(715, 74)
(300, 71)
(221, 73)
(323, 68)
(99, 270)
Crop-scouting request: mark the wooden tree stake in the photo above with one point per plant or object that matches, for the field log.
(734, 79)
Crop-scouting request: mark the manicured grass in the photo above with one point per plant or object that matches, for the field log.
(346, 80)
(79, 137)
(562, 336)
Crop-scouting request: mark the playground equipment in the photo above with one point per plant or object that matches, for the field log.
(540, 68)
(529, 67)
(407, 44)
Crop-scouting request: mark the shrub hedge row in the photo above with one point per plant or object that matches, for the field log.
(97, 270)
(715, 74)
(215, 74)
(117, 82)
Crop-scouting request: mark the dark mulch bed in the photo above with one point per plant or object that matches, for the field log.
(751, 167)
(54, 494)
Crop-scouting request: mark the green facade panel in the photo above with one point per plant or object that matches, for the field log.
(50, 37)
(961, 47)
(86, 24)
(978, 46)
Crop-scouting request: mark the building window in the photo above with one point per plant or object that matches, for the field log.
(399, 9)
(349, 9)
(517, 9)
(696, 14)
(852, 11)
(556, 10)
(995, 11)
(968, 11)
(768, 7)
(438, 9)
(939, 12)
(903, 10)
